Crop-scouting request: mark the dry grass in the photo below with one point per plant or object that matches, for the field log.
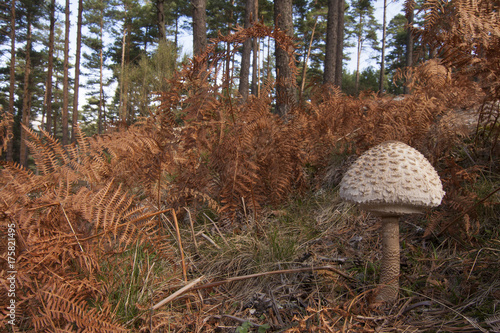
(444, 287)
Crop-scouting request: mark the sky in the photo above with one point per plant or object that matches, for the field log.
(394, 7)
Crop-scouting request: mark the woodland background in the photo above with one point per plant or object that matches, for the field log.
(220, 172)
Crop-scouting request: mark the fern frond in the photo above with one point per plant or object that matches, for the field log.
(60, 306)
(16, 182)
(6, 123)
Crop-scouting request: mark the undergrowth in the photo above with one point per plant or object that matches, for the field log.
(241, 205)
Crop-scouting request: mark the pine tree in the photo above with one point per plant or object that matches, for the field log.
(96, 16)
(12, 78)
(50, 69)
(285, 85)
(333, 41)
(409, 12)
(396, 44)
(382, 56)
(77, 71)
(160, 14)
(246, 50)
(199, 26)
(27, 92)
(365, 31)
(65, 111)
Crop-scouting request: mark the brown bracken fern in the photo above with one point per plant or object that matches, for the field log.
(67, 216)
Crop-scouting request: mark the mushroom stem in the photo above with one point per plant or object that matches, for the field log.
(389, 276)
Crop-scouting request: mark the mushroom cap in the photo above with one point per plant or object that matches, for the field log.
(392, 179)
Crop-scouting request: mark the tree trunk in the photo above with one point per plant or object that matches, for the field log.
(228, 51)
(255, 50)
(160, 15)
(340, 44)
(255, 65)
(101, 75)
(306, 58)
(12, 79)
(409, 8)
(331, 42)
(65, 111)
(382, 58)
(50, 68)
(245, 54)
(285, 87)
(176, 38)
(23, 155)
(358, 60)
(359, 48)
(123, 107)
(199, 26)
(77, 70)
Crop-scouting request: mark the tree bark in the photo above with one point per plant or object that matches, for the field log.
(359, 47)
(65, 111)
(199, 26)
(245, 54)
(331, 42)
(409, 8)
(389, 274)
(12, 79)
(123, 92)
(255, 50)
(160, 15)
(50, 68)
(382, 57)
(285, 87)
(306, 58)
(77, 71)
(340, 44)
(101, 74)
(23, 155)
(358, 60)
(228, 50)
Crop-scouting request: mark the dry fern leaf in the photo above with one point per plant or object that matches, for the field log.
(61, 305)
(6, 124)
(16, 182)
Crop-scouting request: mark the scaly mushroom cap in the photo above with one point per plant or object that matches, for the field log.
(392, 178)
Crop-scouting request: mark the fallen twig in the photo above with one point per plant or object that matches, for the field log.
(178, 293)
(282, 271)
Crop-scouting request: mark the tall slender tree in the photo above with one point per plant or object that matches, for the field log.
(255, 50)
(285, 85)
(382, 56)
(396, 55)
(123, 79)
(332, 42)
(23, 155)
(96, 15)
(199, 26)
(365, 30)
(409, 13)
(50, 68)
(340, 48)
(245, 54)
(65, 111)
(77, 71)
(160, 16)
(12, 79)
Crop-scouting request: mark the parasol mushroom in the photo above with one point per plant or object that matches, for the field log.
(390, 180)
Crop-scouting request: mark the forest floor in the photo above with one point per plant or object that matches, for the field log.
(313, 266)
(329, 256)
